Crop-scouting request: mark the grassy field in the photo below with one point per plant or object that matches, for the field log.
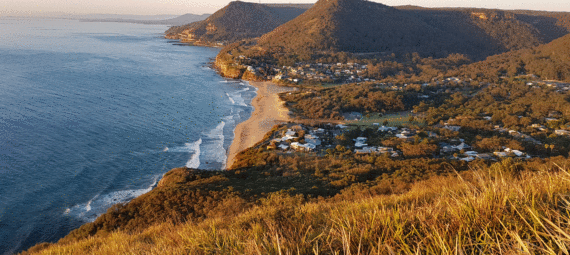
(492, 210)
(394, 120)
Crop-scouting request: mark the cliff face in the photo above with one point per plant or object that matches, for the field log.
(226, 69)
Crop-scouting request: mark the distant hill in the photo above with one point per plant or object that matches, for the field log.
(186, 19)
(549, 62)
(158, 20)
(237, 21)
(362, 26)
(509, 29)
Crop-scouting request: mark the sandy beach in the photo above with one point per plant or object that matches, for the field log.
(268, 111)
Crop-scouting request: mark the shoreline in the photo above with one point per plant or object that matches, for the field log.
(269, 110)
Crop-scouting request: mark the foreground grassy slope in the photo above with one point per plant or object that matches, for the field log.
(499, 209)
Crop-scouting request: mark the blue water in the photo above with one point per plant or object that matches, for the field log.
(93, 114)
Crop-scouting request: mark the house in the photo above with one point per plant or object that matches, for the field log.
(290, 132)
(453, 128)
(405, 134)
(485, 156)
(312, 140)
(562, 132)
(471, 153)
(303, 147)
(447, 149)
(384, 150)
(385, 129)
(516, 152)
(514, 132)
(360, 142)
(462, 146)
(365, 150)
(288, 137)
(283, 147)
(467, 159)
(500, 154)
(341, 126)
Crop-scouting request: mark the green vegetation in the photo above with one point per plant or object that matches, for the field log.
(503, 208)
(367, 98)
(549, 62)
(392, 120)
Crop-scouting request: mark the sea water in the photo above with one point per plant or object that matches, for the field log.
(93, 114)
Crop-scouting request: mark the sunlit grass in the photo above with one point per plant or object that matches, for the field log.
(485, 211)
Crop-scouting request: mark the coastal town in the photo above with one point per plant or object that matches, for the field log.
(328, 138)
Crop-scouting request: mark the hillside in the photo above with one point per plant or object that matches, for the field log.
(358, 26)
(237, 21)
(497, 209)
(549, 62)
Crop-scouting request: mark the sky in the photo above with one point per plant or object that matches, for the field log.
(178, 7)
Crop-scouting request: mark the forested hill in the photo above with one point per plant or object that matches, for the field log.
(236, 21)
(549, 62)
(356, 26)
(361, 26)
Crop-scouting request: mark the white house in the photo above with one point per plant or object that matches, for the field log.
(461, 146)
(360, 142)
(500, 154)
(312, 140)
(385, 129)
(303, 147)
(290, 132)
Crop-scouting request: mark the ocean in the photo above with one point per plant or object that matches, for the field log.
(93, 114)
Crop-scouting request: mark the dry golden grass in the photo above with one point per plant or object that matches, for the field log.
(487, 211)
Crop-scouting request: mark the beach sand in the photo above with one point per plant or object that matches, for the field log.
(268, 111)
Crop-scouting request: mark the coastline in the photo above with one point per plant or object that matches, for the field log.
(268, 111)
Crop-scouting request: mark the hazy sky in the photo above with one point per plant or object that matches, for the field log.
(151, 7)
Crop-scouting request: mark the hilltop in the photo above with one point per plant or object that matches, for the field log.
(237, 21)
(356, 26)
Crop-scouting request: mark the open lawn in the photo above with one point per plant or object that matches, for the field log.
(394, 119)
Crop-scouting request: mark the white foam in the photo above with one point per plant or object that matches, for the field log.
(231, 100)
(229, 81)
(237, 99)
(214, 150)
(100, 203)
(194, 161)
